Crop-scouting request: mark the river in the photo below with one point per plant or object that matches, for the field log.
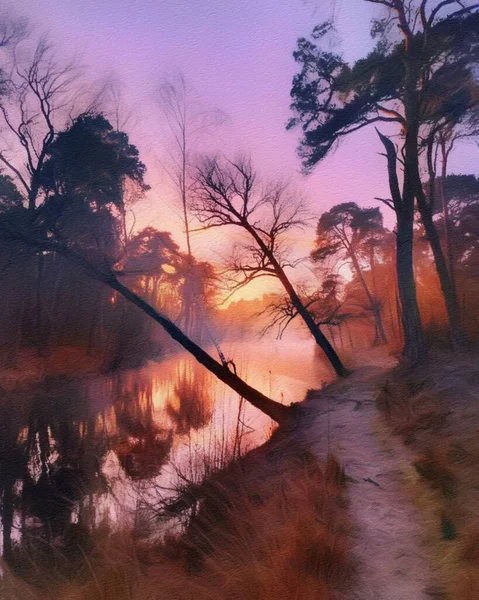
(108, 448)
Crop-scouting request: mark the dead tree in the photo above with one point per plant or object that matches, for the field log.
(187, 124)
(228, 194)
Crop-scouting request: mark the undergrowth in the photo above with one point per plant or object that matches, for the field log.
(274, 526)
(434, 408)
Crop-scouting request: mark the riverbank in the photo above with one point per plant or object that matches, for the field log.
(31, 367)
(288, 520)
(273, 525)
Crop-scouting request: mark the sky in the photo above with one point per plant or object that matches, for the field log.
(237, 55)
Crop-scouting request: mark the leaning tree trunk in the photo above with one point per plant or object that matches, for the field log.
(303, 312)
(444, 270)
(278, 412)
(313, 327)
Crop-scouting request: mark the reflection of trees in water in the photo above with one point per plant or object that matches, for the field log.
(142, 446)
(191, 408)
(52, 447)
(50, 465)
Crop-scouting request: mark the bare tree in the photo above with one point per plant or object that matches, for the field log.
(322, 302)
(228, 194)
(186, 123)
(39, 90)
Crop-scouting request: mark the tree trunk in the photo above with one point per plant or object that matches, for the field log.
(447, 219)
(372, 301)
(444, 271)
(399, 315)
(341, 340)
(414, 342)
(391, 317)
(304, 313)
(7, 519)
(447, 287)
(278, 412)
(348, 331)
(40, 341)
(315, 330)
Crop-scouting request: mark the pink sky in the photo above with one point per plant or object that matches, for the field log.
(238, 57)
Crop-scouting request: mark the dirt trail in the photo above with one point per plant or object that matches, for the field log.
(393, 563)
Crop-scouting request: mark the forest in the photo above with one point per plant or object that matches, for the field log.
(218, 383)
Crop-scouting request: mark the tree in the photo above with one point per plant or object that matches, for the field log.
(323, 304)
(83, 178)
(81, 202)
(39, 93)
(10, 197)
(444, 134)
(93, 188)
(39, 88)
(155, 265)
(150, 256)
(228, 194)
(461, 195)
(349, 231)
(187, 123)
(395, 83)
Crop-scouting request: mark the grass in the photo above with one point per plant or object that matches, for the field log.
(434, 408)
(275, 525)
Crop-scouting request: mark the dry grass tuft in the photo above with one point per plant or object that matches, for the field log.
(274, 527)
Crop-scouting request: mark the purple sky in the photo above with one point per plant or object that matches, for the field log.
(238, 57)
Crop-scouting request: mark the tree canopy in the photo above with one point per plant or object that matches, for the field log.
(331, 99)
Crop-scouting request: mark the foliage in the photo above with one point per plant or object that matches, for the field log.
(88, 161)
(332, 99)
(346, 229)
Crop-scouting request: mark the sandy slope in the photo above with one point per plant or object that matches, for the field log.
(393, 563)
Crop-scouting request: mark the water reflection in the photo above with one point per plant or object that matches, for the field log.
(74, 451)
(191, 404)
(140, 443)
(50, 461)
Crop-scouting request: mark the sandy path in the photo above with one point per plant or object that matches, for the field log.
(393, 563)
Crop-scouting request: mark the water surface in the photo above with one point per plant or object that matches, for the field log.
(84, 450)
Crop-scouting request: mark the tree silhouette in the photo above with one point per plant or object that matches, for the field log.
(188, 124)
(228, 195)
(86, 237)
(395, 83)
(349, 231)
